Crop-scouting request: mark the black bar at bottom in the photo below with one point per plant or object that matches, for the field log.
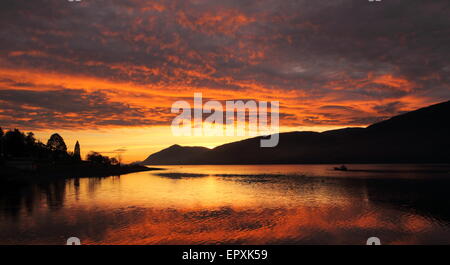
(222, 254)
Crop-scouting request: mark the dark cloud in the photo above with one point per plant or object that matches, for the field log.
(123, 149)
(389, 108)
(70, 108)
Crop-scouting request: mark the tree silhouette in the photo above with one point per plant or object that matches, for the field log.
(14, 142)
(56, 143)
(97, 158)
(76, 151)
(30, 141)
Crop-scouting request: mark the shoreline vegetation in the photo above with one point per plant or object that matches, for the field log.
(84, 170)
(25, 159)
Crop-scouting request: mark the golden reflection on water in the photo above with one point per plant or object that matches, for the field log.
(223, 205)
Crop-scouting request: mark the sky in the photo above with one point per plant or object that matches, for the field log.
(106, 72)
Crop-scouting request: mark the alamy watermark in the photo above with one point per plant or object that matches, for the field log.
(231, 120)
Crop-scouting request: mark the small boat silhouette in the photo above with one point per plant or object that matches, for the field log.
(341, 168)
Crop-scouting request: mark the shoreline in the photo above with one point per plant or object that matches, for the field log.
(55, 172)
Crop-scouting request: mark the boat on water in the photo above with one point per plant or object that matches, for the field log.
(341, 168)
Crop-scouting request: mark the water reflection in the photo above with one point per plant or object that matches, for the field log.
(15, 197)
(239, 205)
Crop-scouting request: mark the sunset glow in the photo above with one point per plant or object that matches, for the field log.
(224, 132)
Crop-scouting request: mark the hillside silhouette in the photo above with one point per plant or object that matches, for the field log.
(177, 154)
(420, 136)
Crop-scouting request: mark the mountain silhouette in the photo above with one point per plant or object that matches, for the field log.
(420, 136)
(176, 154)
